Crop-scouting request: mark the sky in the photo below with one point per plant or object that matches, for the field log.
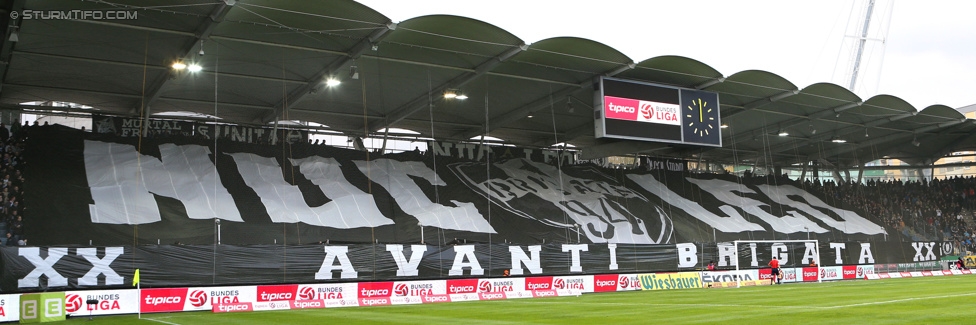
(921, 51)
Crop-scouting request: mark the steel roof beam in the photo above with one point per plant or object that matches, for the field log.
(763, 102)
(202, 32)
(539, 103)
(315, 82)
(6, 50)
(420, 102)
(885, 139)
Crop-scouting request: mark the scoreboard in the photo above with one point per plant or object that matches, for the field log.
(648, 112)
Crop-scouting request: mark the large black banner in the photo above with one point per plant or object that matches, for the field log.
(114, 190)
(57, 268)
(132, 127)
(161, 128)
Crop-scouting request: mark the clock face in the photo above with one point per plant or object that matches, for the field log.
(700, 117)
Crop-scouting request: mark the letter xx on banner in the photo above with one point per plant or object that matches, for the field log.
(54, 268)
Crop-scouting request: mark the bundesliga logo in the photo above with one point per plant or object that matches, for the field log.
(647, 110)
(197, 298)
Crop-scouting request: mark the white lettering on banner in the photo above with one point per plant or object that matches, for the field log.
(613, 256)
(285, 203)
(734, 194)
(687, 254)
(838, 247)
(724, 224)
(42, 266)
(100, 266)
(374, 301)
(234, 307)
(333, 253)
(534, 264)
(727, 255)
(354, 207)
(810, 253)
(122, 183)
(755, 257)
(394, 176)
(779, 252)
(575, 254)
(460, 289)
(849, 223)
(621, 108)
(462, 252)
(150, 300)
(865, 257)
(270, 296)
(919, 257)
(407, 267)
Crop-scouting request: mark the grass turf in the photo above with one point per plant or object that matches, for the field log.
(929, 300)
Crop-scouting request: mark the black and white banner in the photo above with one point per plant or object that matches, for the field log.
(56, 268)
(196, 190)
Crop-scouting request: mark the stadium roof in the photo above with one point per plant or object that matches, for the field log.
(264, 60)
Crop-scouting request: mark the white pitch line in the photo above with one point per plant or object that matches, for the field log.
(900, 300)
(160, 321)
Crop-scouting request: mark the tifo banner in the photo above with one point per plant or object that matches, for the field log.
(226, 181)
(405, 268)
(160, 128)
(133, 126)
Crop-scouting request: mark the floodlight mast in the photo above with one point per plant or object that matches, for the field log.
(735, 251)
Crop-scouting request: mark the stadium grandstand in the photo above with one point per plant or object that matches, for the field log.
(318, 144)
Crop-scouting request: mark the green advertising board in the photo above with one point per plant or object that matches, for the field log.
(42, 307)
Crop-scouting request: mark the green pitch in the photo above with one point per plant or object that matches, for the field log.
(930, 300)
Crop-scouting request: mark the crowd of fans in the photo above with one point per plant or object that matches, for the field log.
(12, 183)
(923, 210)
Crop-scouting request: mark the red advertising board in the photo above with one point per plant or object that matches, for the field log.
(605, 282)
(538, 283)
(380, 301)
(544, 293)
(433, 299)
(462, 286)
(277, 292)
(233, 307)
(849, 272)
(375, 289)
(305, 304)
(810, 274)
(491, 295)
(162, 300)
